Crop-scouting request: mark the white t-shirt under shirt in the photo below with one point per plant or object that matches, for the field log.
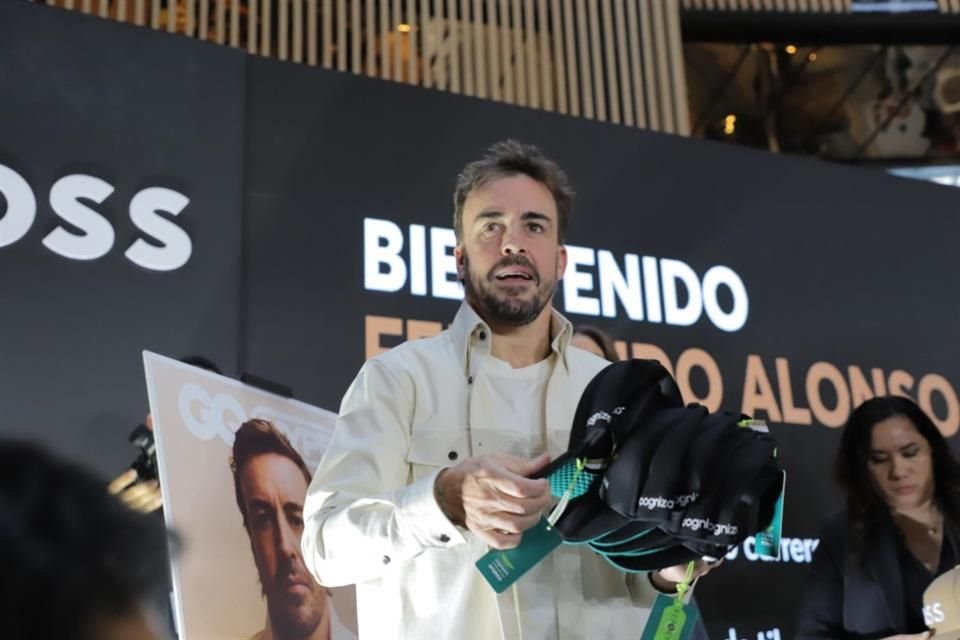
(517, 407)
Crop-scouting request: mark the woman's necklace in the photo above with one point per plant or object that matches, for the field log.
(933, 524)
(936, 522)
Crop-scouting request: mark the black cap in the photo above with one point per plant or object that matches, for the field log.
(667, 483)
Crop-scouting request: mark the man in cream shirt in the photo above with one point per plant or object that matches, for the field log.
(428, 465)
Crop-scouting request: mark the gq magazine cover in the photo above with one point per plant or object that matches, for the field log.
(235, 462)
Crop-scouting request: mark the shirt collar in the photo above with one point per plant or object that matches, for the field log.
(470, 331)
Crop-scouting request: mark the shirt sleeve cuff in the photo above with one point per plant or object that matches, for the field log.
(419, 513)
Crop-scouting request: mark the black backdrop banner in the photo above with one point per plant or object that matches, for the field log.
(319, 219)
(105, 131)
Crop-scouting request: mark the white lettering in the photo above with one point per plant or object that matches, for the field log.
(616, 285)
(596, 282)
(933, 614)
(574, 281)
(418, 260)
(382, 242)
(88, 235)
(176, 245)
(21, 206)
(444, 265)
(796, 550)
(96, 235)
(651, 285)
(204, 415)
(767, 634)
(597, 417)
(209, 416)
(737, 316)
(671, 272)
(715, 528)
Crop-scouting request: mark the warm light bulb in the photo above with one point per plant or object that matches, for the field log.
(730, 124)
(403, 27)
(791, 49)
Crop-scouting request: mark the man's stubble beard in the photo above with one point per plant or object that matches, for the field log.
(285, 628)
(287, 624)
(502, 307)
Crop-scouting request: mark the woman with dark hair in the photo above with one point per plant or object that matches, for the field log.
(595, 341)
(899, 529)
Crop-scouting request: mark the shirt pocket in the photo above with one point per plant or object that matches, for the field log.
(517, 444)
(432, 449)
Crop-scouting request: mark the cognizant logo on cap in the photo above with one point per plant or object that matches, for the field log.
(716, 528)
(659, 502)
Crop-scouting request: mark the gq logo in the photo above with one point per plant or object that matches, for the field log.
(209, 416)
(92, 236)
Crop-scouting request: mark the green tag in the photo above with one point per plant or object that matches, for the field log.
(503, 568)
(756, 425)
(670, 619)
(768, 540)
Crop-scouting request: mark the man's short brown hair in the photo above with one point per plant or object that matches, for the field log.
(509, 158)
(256, 438)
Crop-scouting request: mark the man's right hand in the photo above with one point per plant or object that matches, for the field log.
(491, 496)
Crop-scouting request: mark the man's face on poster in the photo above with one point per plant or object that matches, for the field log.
(273, 489)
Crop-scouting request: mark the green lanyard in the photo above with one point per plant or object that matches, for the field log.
(674, 617)
(567, 493)
(684, 586)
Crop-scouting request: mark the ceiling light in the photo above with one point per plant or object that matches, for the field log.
(730, 124)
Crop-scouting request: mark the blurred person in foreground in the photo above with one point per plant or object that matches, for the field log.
(77, 563)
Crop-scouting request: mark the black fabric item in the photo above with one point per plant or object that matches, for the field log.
(654, 539)
(674, 483)
(652, 485)
(627, 471)
(704, 458)
(847, 598)
(657, 560)
(613, 403)
(619, 400)
(703, 464)
(916, 579)
(627, 532)
(749, 471)
(585, 518)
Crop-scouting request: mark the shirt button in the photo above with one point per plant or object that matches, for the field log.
(386, 559)
(470, 380)
(444, 538)
(453, 455)
(483, 335)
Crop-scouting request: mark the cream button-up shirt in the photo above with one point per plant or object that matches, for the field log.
(371, 518)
